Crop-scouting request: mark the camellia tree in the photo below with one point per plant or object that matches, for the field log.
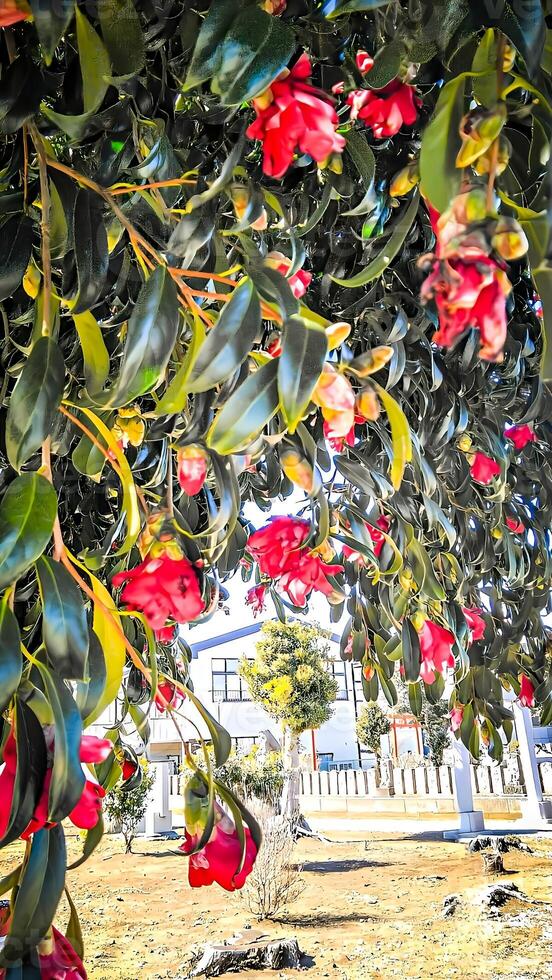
(290, 679)
(250, 249)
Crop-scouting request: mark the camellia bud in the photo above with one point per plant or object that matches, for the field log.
(129, 427)
(475, 205)
(484, 164)
(371, 361)
(478, 129)
(509, 239)
(367, 404)
(297, 469)
(333, 162)
(31, 280)
(337, 333)
(192, 468)
(405, 180)
(368, 672)
(418, 621)
(465, 443)
(508, 57)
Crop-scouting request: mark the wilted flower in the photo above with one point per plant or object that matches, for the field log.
(483, 469)
(219, 860)
(167, 696)
(129, 427)
(378, 540)
(292, 114)
(162, 588)
(336, 398)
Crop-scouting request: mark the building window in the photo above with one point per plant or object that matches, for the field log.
(227, 683)
(337, 670)
(357, 681)
(244, 743)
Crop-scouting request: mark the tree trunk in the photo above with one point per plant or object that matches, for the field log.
(290, 794)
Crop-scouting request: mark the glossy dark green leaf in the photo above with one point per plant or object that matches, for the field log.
(73, 931)
(387, 64)
(27, 513)
(362, 155)
(151, 336)
(11, 662)
(400, 228)
(94, 63)
(410, 652)
(424, 574)
(247, 411)
(440, 177)
(304, 350)
(255, 50)
(67, 776)
(94, 352)
(21, 89)
(51, 21)
(229, 342)
(30, 771)
(207, 52)
(17, 238)
(91, 253)
(64, 626)
(525, 26)
(122, 35)
(90, 691)
(415, 699)
(222, 743)
(34, 402)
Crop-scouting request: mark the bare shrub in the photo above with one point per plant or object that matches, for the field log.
(276, 879)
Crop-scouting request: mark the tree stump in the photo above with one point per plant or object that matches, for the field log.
(272, 954)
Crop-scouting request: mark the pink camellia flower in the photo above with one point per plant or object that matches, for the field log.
(166, 635)
(87, 811)
(520, 435)
(280, 551)
(193, 462)
(378, 540)
(483, 469)
(336, 441)
(12, 11)
(336, 398)
(526, 692)
(364, 61)
(517, 527)
(293, 114)
(162, 588)
(220, 859)
(57, 959)
(167, 692)
(456, 717)
(387, 109)
(436, 650)
(299, 282)
(255, 598)
(476, 623)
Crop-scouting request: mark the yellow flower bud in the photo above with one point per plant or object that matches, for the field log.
(405, 180)
(129, 427)
(475, 205)
(509, 57)
(418, 621)
(297, 469)
(497, 533)
(337, 333)
(486, 161)
(31, 280)
(465, 443)
(478, 129)
(509, 239)
(367, 404)
(371, 361)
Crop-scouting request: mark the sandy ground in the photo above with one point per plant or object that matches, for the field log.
(366, 912)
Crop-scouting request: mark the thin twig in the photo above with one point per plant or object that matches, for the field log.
(44, 229)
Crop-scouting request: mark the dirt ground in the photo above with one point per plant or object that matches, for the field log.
(373, 911)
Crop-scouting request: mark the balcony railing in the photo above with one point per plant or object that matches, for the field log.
(218, 696)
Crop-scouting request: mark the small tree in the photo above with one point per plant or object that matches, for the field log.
(371, 724)
(126, 808)
(254, 776)
(436, 725)
(289, 677)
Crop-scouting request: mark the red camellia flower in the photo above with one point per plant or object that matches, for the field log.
(57, 959)
(526, 692)
(517, 527)
(337, 442)
(87, 811)
(387, 109)
(382, 524)
(364, 61)
(220, 859)
(484, 468)
(255, 598)
(12, 11)
(293, 114)
(128, 768)
(279, 548)
(520, 435)
(299, 282)
(162, 588)
(476, 624)
(436, 650)
(167, 692)
(192, 468)
(456, 717)
(166, 634)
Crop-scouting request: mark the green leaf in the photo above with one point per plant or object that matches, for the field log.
(362, 155)
(64, 626)
(222, 743)
(246, 412)
(207, 54)
(94, 352)
(17, 235)
(30, 771)
(34, 402)
(94, 64)
(255, 50)
(91, 253)
(305, 346)
(411, 653)
(176, 395)
(51, 21)
(484, 63)
(401, 227)
(229, 342)
(108, 628)
(525, 26)
(423, 572)
(67, 776)
(542, 277)
(91, 690)
(27, 515)
(73, 932)
(122, 36)
(11, 661)
(400, 435)
(440, 177)
(387, 64)
(151, 336)
(415, 699)
(387, 686)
